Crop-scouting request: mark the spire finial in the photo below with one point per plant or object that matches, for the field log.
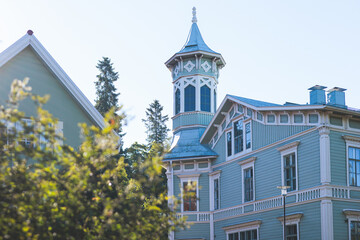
(194, 19)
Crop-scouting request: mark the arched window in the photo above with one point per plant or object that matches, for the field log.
(205, 98)
(214, 101)
(189, 98)
(177, 101)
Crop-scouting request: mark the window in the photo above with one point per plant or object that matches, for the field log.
(298, 118)
(248, 179)
(189, 199)
(291, 232)
(292, 225)
(284, 118)
(177, 101)
(249, 112)
(216, 194)
(354, 166)
(290, 171)
(228, 143)
(271, 118)
(314, 118)
(259, 116)
(355, 230)
(189, 98)
(289, 174)
(248, 135)
(244, 235)
(240, 109)
(205, 98)
(353, 216)
(248, 185)
(243, 231)
(238, 136)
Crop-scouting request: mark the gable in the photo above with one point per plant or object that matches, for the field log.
(62, 104)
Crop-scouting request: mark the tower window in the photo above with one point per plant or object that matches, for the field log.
(189, 98)
(205, 98)
(177, 101)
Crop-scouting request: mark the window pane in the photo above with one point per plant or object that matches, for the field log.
(177, 101)
(229, 143)
(189, 98)
(216, 194)
(290, 171)
(189, 198)
(284, 118)
(238, 136)
(214, 101)
(205, 98)
(248, 187)
(298, 118)
(351, 152)
(271, 118)
(248, 135)
(357, 153)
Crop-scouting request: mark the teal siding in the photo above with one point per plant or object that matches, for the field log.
(268, 166)
(355, 194)
(201, 71)
(266, 134)
(339, 219)
(271, 228)
(61, 104)
(338, 158)
(220, 149)
(197, 230)
(191, 119)
(204, 192)
(230, 185)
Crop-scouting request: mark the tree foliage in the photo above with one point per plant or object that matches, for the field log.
(107, 97)
(155, 124)
(49, 190)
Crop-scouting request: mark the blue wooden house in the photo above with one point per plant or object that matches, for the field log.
(239, 153)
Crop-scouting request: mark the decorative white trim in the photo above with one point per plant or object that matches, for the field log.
(287, 150)
(352, 215)
(243, 227)
(327, 225)
(65, 80)
(292, 219)
(325, 165)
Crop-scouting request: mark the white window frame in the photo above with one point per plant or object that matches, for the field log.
(253, 225)
(275, 118)
(232, 143)
(289, 119)
(212, 177)
(292, 219)
(308, 118)
(284, 151)
(246, 164)
(189, 178)
(350, 141)
(352, 215)
(293, 119)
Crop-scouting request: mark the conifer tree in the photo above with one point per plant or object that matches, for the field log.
(107, 97)
(155, 124)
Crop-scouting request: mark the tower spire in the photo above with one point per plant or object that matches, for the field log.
(194, 19)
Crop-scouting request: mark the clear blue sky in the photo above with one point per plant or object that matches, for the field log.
(274, 49)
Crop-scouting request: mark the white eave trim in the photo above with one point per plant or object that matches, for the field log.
(195, 52)
(31, 40)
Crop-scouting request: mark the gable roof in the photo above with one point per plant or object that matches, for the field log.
(255, 103)
(30, 40)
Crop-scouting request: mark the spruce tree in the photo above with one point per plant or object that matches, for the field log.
(105, 89)
(155, 124)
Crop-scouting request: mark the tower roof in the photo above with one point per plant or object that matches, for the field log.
(195, 42)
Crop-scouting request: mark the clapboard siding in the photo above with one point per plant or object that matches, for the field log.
(197, 231)
(339, 219)
(338, 158)
(204, 192)
(220, 149)
(271, 228)
(266, 134)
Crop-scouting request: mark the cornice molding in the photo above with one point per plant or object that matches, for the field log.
(246, 161)
(288, 146)
(254, 224)
(214, 173)
(351, 138)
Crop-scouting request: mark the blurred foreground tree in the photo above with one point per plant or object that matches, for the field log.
(49, 190)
